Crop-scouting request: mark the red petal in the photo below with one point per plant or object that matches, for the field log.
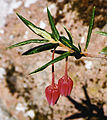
(64, 88)
(60, 81)
(70, 83)
(48, 93)
(55, 96)
(52, 94)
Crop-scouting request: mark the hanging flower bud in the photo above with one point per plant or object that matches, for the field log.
(65, 85)
(52, 94)
(52, 91)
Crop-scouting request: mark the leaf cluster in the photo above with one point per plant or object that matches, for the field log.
(53, 40)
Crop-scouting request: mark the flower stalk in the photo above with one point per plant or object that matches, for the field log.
(53, 78)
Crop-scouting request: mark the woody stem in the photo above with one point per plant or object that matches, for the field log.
(53, 82)
(66, 66)
(94, 56)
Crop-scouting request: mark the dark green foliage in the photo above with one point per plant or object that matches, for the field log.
(65, 41)
(90, 28)
(28, 42)
(39, 31)
(55, 33)
(102, 33)
(54, 40)
(41, 48)
(68, 44)
(64, 55)
(79, 47)
(59, 51)
(69, 35)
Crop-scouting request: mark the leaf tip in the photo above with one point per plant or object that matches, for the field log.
(64, 27)
(6, 48)
(10, 47)
(48, 10)
(94, 7)
(30, 73)
(23, 53)
(17, 14)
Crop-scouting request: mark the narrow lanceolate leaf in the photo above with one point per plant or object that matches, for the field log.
(41, 48)
(51, 62)
(39, 31)
(102, 33)
(55, 32)
(75, 49)
(28, 42)
(67, 43)
(79, 47)
(90, 28)
(104, 51)
(59, 51)
(69, 35)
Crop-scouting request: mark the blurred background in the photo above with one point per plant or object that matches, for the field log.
(22, 97)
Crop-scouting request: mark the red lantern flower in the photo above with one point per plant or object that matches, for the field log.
(52, 91)
(52, 94)
(65, 83)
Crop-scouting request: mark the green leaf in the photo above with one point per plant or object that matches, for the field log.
(104, 51)
(51, 62)
(102, 33)
(28, 42)
(55, 32)
(75, 49)
(79, 47)
(39, 31)
(90, 29)
(69, 35)
(59, 51)
(67, 43)
(41, 48)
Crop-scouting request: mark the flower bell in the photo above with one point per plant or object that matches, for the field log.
(52, 91)
(52, 94)
(65, 83)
